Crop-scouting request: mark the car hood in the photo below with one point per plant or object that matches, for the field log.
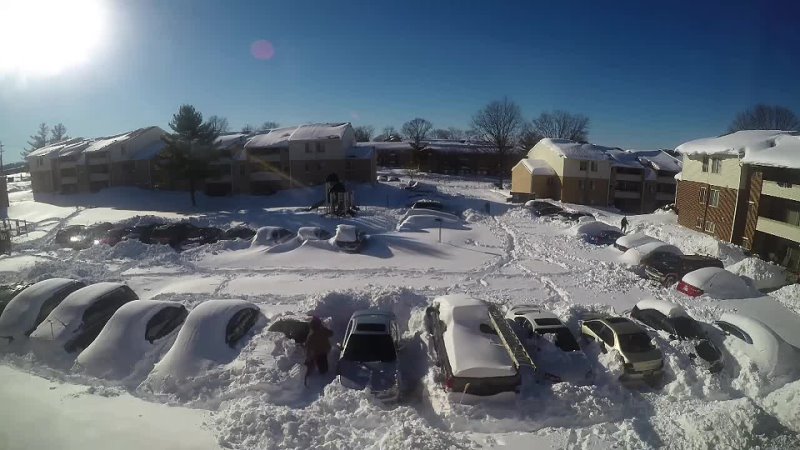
(378, 376)
(650, 355)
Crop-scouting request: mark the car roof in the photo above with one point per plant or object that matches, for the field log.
(532, 313)
(669, 309)
(760, 332)
(635, 239)
(372, 316)
(621, 325)
(701, 277)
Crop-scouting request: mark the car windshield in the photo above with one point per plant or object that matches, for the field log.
(635, 342)
(370, 347)
(562, 337)
(687, 327)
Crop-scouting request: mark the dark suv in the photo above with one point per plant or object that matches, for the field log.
(668, 268)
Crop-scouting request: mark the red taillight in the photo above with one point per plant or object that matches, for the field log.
(448, 383)
(688, 289)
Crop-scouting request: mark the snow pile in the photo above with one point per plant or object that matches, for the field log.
(765, 275)
(591, 227)
(789, 296)
(784, 403)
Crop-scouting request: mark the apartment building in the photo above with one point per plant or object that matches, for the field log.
(744, 188)
(446, 156)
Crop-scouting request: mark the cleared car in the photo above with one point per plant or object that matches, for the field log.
(79, 318)
(70, 236)
(313, 234)
(667, 268)
(213, 334)
(368, 359)
(604, 237)
(32, 305)
(269, 236)
(136, 329)
(772, 355)
(428, 204)
(641, 359)
(541, 208)
(349, 238)
(551, 344)
(184, 234)
(239, 232)
(634, 256)
(684, 332)
(630, 241)
(718, 283)
(142, 233)
(573, 216)
(467, 348)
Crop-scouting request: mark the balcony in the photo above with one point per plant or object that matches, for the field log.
(69, 180)
(778, 228)
(266, 176)
(772, 189)
(627, 194)
(99, 176)
(628, 177)
(665, 196)
(67, 164)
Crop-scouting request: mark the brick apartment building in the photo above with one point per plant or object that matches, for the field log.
(744, 188)
(445, 156)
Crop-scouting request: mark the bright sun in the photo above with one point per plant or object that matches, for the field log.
(45, 37)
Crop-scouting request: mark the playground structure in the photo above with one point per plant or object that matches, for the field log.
(8, 229)
(339, 201)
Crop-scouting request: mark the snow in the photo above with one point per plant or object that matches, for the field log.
(346, 233)
(200, 343)
(720, 283)
(634, 256)
(471, 352)
(635, 240)
(662, 306)
(19, 316)
(537, 167)
(762, 147)
(659, 160)
(591, 227)
(53, 149)
(256, 398)
(103, 143)
(121, 346)
(574, 150)
(266, 236)
(360, 152)
(319, 131)
(765, 274)
(278, 137)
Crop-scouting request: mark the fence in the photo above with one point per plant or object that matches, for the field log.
(15, 227)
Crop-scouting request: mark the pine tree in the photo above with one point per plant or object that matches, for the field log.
(190, 149)
(58, 133)
(38, 140)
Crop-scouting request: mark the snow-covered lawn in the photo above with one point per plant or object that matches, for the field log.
(258, 399)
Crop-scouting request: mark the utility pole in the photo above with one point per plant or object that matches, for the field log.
(4, 202)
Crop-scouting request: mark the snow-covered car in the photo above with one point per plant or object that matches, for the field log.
(369, 354)
(667, 268)
(213, 334)
(269, 236)
(349, 238)
(551, 344)
(541, 208)
(772, 355)
(640, 358)
(394, 179)
(684, 332)
(8, 292)
(630, 241)
(435, 205)
(604, 237)
(184, 234)
(573, 216)
(634, 256)
(718, 283)
(239, 232)
(135, 330)
(467, 349)
(142, 233)
(383, 178)
(313, 234)
(79, 318)
(70, 235)
(596, 232)
(32, 305)
(445, 216)
(81, 237)
(424, 221)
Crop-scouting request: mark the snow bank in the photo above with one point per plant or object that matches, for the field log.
(765, 275)
(789, 296)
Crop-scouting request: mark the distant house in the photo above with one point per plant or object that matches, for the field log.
(744, 188)
(661, 188)
(446, 156)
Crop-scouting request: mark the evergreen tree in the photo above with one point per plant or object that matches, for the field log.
(38, 140)
(58, 133)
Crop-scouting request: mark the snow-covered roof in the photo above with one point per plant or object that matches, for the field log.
(20, 314)
(121, 344)
(537, 166)
(452, 146)
(386, 146)
(103, 143)
(279, 137)
(659, 160)
(574, 150)
(664, 307)
(74, 149)
(150, 151)
(471, 352)
(764, 147)
(360, 152)
(53, 149)
(621, 158)
(320, 131)
(229, 140)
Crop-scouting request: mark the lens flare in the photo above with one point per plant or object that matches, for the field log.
(262, 50)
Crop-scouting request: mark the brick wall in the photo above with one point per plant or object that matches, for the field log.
(751, 215)
(696, 211)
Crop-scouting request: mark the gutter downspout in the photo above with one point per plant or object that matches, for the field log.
(738, 193)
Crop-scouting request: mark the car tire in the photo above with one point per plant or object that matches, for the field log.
(669, 280)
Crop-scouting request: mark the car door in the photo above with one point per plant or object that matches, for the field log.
(606, 335)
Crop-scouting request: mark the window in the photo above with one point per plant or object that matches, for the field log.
(702, 195)
(164, 322)
(320, 147)
(705, 163)
(591, 185)
(714, 198)
(606, 335)
(239, 325)
(710, 227)
(308, 147)
(594, 166)
(699, 223)
(583, 166)
(716, 165)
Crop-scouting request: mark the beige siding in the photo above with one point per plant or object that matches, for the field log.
(521, 179)
(730, 175)
(572, 168)
(547, 155)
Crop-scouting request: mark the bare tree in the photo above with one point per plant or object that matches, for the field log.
(38, 140)
(219, 123)
(528, 137)
(498, 123)
(268, 125)
(58, 133)
(766, 117)
(561, 125)
(249, 128)
(364, 133)
(389, 133)
(452, 133)
(417, 131)
(441, 133)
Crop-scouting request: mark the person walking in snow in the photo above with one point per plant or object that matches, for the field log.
(624, 224)
(318, 345)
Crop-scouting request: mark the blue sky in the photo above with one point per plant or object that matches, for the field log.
(647, 75)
